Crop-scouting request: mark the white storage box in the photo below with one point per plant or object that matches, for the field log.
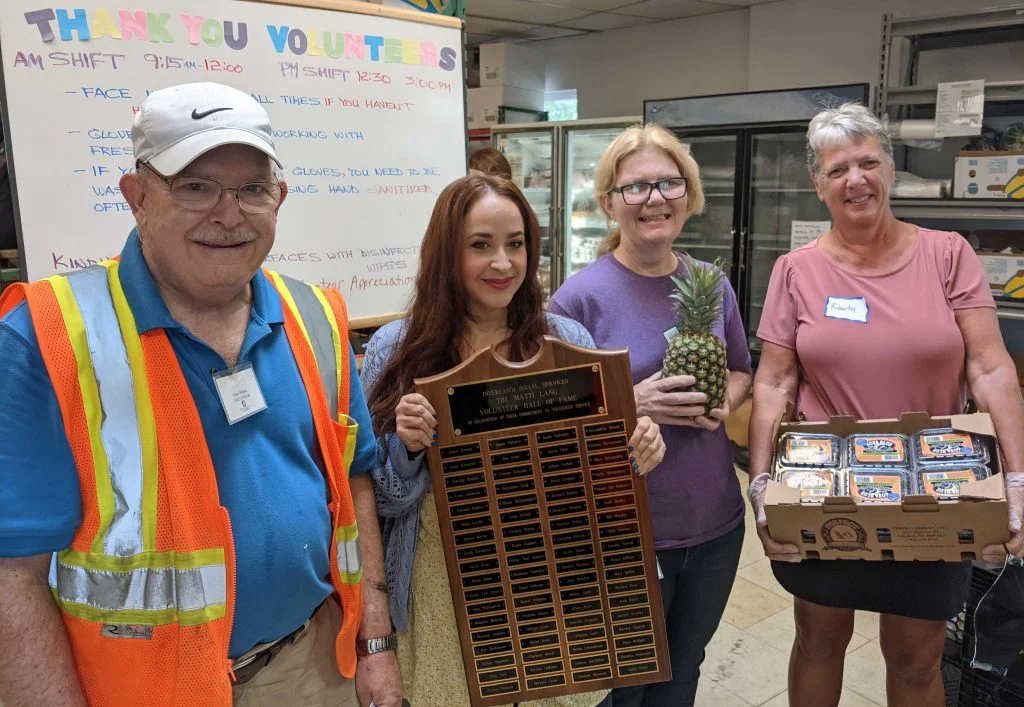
(514, 65)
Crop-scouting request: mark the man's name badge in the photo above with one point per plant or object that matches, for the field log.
(239, 392)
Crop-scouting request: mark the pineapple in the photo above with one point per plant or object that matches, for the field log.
(695, 351)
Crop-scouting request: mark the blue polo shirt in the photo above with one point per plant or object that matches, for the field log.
(266, 465)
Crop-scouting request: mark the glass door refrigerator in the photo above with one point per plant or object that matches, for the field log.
(532, 151)
(583, 223)
(760, 202)
(553, 163)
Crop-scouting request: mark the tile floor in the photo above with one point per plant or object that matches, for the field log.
(747, 659)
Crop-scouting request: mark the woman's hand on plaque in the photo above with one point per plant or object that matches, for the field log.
(646, 446)
(415, 422)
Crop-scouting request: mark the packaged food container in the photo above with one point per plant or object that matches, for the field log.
(944, 481)
(942, 446)
(875, 450)
(815, 484)
(822, 451)
(877, 486)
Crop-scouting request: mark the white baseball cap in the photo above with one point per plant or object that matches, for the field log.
(176, 125)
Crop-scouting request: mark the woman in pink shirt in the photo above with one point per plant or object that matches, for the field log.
(874, 318)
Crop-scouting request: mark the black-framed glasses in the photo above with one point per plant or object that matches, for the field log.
(199, 194)
(640, 192)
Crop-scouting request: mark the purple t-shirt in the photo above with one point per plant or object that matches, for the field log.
(694, 494)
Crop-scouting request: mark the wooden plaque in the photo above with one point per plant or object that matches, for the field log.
(545, 527)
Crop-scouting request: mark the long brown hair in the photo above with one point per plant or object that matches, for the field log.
(436, 318)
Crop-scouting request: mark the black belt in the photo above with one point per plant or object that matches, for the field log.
(248, 671)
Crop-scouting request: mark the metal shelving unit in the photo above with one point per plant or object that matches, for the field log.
(902, 92)
(978, 27)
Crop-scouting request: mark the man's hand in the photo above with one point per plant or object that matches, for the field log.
(378, 680)
(996, 554)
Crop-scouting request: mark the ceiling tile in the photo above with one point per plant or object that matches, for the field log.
(548, 33)
(497, 28)
(521, 11)
(607, 20)
(594, 5)
(744, 3)
(670, 9)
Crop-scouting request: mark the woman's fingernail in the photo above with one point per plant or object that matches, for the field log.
(631, 447)
(633, 460)
(636, 467)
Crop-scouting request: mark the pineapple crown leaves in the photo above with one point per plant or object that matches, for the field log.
(698, 299)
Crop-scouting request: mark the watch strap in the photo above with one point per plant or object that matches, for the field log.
(369, 646)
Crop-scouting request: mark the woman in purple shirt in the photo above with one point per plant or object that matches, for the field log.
(623, 300)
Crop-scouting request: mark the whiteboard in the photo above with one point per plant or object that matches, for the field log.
(367, 111)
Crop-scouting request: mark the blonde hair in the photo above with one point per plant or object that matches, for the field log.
(632, 140)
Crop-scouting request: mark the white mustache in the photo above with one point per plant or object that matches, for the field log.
(236, 235)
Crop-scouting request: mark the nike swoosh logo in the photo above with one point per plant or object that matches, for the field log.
(199, 116)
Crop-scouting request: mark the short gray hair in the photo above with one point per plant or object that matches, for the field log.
(850, 121)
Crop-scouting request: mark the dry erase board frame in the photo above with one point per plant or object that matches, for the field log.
(546, 531)
(364, 168)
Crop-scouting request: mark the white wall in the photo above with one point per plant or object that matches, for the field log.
(614, 72)
(819, 42)
(784, 44)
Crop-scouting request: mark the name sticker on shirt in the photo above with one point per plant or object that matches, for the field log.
(852, 309)
(239, 392)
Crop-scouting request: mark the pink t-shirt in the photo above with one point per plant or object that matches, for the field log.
(873, 346)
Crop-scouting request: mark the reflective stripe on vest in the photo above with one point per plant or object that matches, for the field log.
(318, 325)
(191, 590)
(85, 300)
(122, 579)
(313, 313)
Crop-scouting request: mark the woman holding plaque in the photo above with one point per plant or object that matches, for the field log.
(648, 184)
(476, 287)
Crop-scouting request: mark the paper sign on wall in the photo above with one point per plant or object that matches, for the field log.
(959, 108)
(803, 232)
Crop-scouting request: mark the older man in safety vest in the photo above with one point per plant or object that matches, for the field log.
(185, 514)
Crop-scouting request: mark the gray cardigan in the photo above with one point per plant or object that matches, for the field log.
(400, 482)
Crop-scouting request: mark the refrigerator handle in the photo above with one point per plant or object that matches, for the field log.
(742, 261)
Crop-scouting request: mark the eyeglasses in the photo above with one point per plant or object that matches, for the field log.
(640, 192)
(198, 194)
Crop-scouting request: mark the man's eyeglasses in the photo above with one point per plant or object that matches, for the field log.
(640, 193)
(198, 194)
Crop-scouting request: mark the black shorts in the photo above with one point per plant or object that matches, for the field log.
(919, 590)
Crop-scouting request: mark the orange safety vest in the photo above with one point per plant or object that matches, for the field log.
(147, 587)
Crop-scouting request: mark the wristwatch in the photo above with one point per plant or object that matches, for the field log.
(369, 646)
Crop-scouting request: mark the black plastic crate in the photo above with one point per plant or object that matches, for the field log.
(980, 688)
(976, 688)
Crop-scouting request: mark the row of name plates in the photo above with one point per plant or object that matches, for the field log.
(545, 527)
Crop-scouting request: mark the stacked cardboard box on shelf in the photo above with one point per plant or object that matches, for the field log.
(512, 76)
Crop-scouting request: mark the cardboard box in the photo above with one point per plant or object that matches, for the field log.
(1005, 273)
(919, 528)
(514, 65)
(482, 103)
(988, 175)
